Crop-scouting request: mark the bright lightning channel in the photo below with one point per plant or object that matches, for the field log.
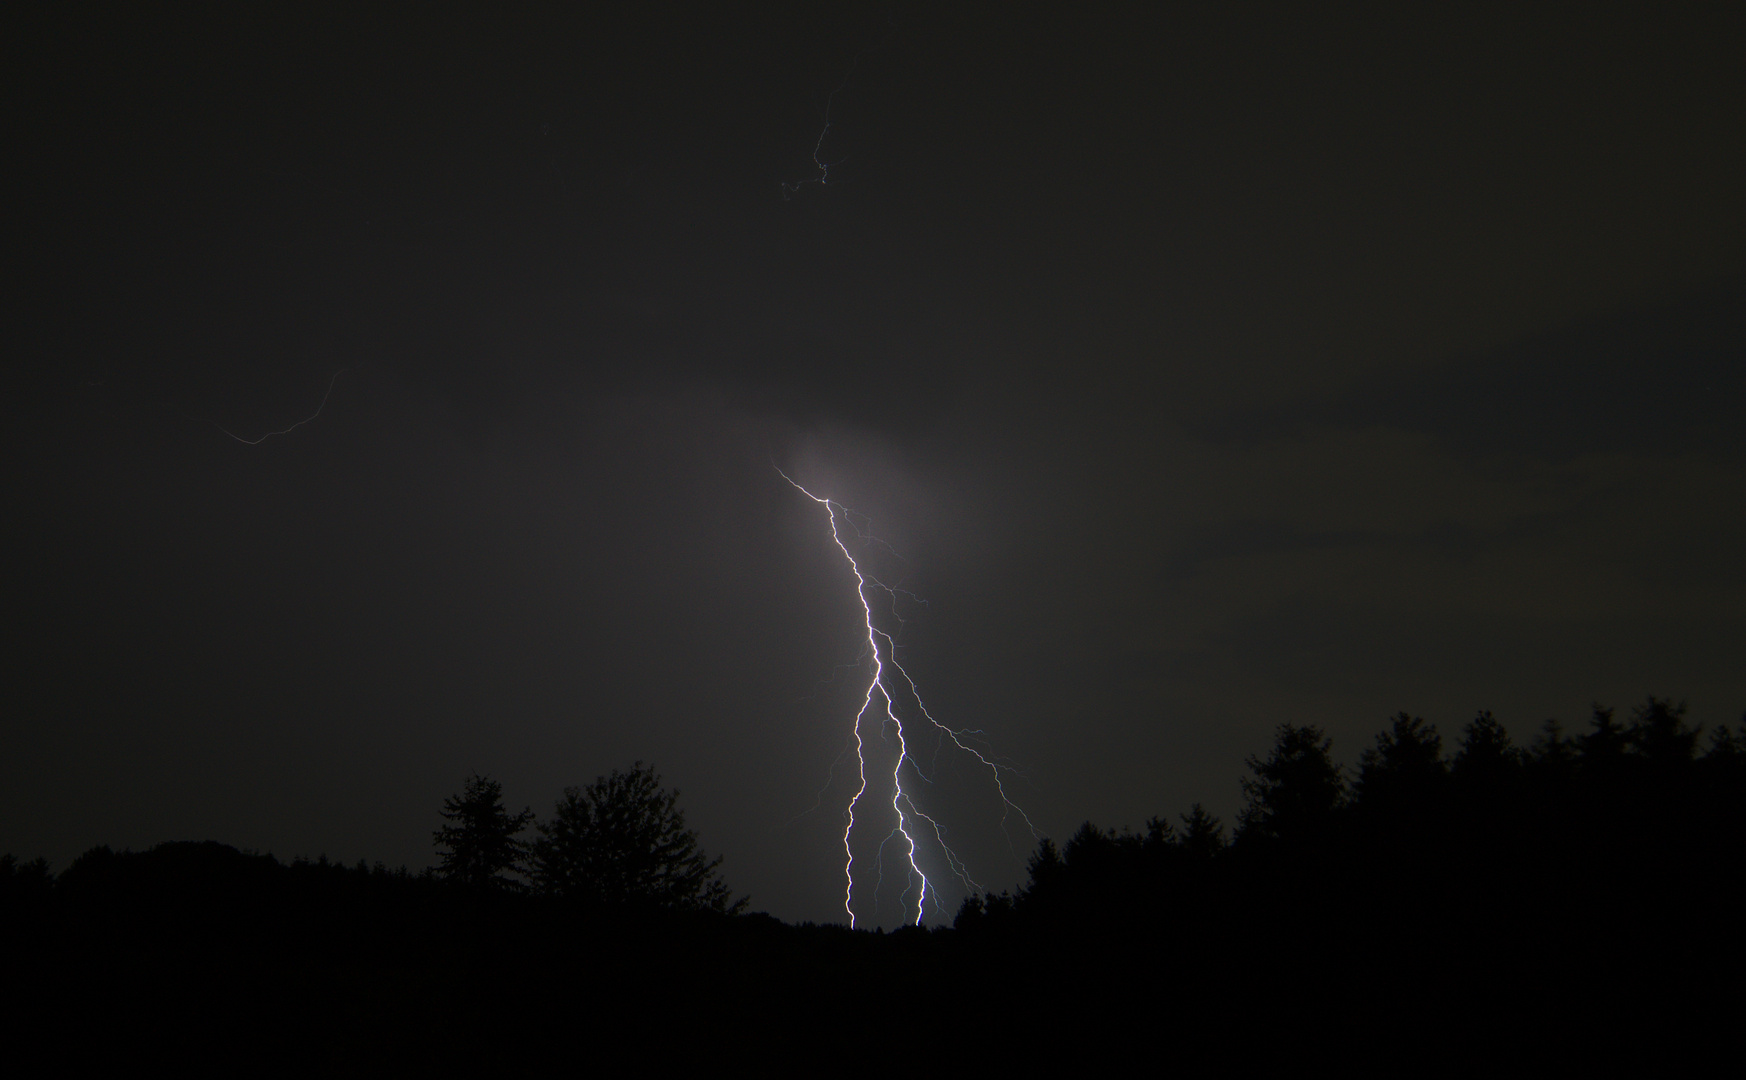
(881, 647)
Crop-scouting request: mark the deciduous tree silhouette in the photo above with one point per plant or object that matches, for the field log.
(478, 846)
(622, 840)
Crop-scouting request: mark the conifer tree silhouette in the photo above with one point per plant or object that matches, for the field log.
(1405, 768)
(1294, 793)
(1486, 753)
(1659, 733)
(1202, 835)
(478, 847)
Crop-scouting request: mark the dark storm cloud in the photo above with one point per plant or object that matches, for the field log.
(1662, 379)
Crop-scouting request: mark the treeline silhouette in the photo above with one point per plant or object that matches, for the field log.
(1579, 897)
(1577, 900)
(1495, 831)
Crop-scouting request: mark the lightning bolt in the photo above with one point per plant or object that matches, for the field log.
(824, 167)
(889, 675)
(293, 427)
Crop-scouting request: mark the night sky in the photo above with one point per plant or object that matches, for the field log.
(1210, 368)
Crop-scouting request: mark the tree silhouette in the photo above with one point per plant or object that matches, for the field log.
(1552, 754)
(478, 846)
(1605, 745)
(1725, 746)
(1406, 766)
(24, 885)
(1160, 835)
(1295, 792)
(622, 840)
(1486, 754)
(1202, 836)
(1659, 733)
(1048, 879)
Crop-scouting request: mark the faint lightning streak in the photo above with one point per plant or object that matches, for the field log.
(830, 778)
(994, 767)
(957, 865)
(293, 427)
(824, 167)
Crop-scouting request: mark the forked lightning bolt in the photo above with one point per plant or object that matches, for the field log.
(888, 676)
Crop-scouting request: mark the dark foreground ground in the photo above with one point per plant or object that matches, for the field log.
(1578, 905)
(199, 955)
